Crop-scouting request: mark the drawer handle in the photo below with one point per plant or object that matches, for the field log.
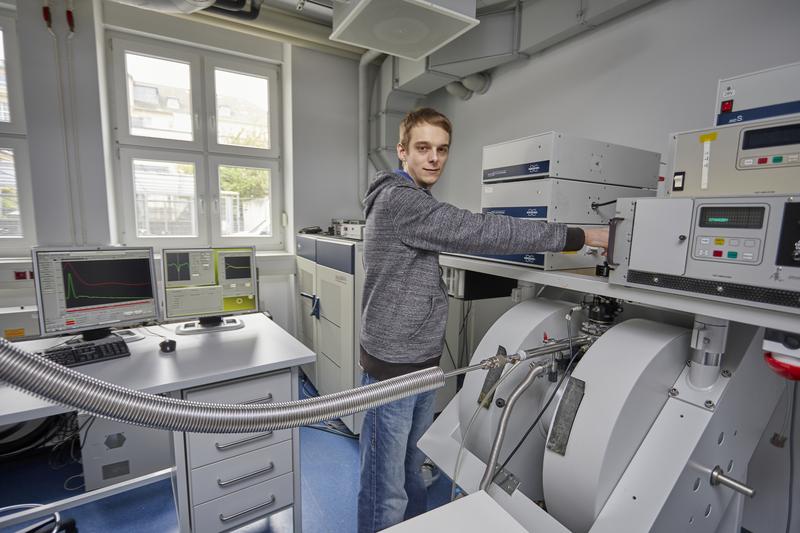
(224, 518)
(265, 399)
(233, 444)
(270, 468)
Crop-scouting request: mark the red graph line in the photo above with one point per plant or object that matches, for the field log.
(103, 283)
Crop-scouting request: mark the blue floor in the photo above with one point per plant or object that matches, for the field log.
(329, 474)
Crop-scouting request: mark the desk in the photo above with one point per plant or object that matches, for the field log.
(199, 364)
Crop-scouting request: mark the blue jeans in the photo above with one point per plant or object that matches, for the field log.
(392, 488)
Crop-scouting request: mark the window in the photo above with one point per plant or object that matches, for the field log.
(17, 233)
(199, 157)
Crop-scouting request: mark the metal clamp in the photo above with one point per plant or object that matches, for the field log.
(224, 518)
(314, 303)
(233, 444)
(270, 468)
(718, 478)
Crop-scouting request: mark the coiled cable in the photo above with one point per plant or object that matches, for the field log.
(41, 377)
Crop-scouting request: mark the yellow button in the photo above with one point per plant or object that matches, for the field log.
(719, 241)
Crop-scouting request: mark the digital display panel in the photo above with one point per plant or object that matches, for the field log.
(770, 137)
(738, 217)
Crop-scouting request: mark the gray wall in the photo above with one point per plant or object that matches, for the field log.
(324, 107)
(632, 81)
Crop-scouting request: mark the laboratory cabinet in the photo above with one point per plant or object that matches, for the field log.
(330, 282)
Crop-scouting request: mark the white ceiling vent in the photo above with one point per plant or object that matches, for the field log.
(410, 29)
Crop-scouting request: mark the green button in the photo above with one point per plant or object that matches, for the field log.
(777, 159)
(733, 255)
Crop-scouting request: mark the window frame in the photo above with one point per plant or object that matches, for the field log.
(16, 107)
(212, 62)
(21, 245)
(203, 151)
(170, 52)
(128, 229)
(274, 242)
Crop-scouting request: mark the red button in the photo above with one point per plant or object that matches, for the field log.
(717, 253)
(726, 106)
(763, 160)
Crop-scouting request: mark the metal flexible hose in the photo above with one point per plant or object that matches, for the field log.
(41, 377)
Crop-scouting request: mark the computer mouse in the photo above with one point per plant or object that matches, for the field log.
(167, 345)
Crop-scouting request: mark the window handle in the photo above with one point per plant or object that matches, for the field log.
(201, 206)
(216, 205)
(196, 122)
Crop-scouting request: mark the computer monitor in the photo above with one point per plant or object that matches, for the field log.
(210, 284)
(90, 291)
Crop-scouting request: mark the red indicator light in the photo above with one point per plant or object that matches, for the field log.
(726, 106)
(717, 253)
(763, 160)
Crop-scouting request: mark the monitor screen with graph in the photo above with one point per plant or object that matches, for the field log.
(82, 290)
(209, 283)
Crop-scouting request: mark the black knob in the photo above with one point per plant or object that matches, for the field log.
(681, 238)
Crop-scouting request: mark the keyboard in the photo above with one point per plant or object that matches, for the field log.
(85, 352)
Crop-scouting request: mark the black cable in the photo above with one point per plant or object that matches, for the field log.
(450, 354)
(791, 457)
(86, 434)
(595, 205)
(549, 400)
(10, 430)
(541, 413)
(30, 441)
(332, 431)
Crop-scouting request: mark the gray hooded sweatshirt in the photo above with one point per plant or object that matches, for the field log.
(404, 311)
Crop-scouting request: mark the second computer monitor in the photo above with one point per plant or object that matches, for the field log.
(210, 284)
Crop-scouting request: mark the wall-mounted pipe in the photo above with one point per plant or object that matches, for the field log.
(230, 5)
(363, 122)
(229, 11)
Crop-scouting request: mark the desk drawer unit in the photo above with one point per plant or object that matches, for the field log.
(216, 480)
(208, 448)
(244, 505)
(237, 478)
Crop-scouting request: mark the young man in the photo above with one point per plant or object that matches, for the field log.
(405, 304)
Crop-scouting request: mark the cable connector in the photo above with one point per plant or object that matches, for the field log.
(47, 16)
(573, 309)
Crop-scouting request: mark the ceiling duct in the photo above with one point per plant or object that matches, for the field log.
(411, 29)
(169, 6)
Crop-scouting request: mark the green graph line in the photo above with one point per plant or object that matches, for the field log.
(71, 293)
(178, 266)
(246, 267)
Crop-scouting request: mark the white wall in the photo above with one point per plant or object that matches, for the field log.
(324, 99)
(632, 81)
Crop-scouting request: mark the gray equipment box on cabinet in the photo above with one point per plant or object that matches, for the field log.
(758, 95)
(558, 155)
(738, 160)
(734, 249)
(556, 177)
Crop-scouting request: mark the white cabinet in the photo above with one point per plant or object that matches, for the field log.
(234, 479)
(330, 280)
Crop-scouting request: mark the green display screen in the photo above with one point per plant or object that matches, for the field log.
(732, 216)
